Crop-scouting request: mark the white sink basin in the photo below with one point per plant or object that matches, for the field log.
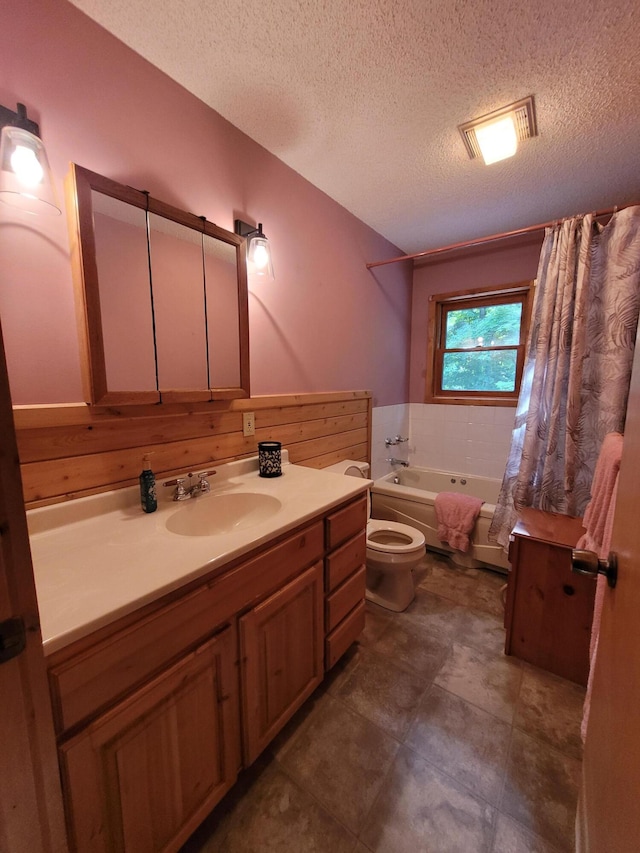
(209, 515)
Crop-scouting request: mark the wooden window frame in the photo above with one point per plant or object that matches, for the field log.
(439, 305)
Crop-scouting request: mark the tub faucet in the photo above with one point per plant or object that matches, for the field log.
(395, 461)
(393, 441)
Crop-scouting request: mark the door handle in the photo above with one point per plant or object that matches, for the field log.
(587, 563)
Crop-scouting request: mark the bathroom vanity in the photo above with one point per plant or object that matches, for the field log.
(170, 674)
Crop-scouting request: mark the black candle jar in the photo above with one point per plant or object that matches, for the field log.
(270, 458)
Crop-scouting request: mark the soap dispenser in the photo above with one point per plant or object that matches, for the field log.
(148, 497)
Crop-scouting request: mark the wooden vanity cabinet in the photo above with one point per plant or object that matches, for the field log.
(156, 713)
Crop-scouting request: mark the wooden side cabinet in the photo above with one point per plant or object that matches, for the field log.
(142, 776)
(549, 608)
(281, 643)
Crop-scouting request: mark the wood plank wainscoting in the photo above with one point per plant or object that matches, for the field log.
(68, 451)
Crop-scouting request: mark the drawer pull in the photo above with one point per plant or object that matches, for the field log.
(568, 590)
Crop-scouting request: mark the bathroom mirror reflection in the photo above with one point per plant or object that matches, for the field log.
(162, 297)
(122, 257)
(224, 354)
(177, 284)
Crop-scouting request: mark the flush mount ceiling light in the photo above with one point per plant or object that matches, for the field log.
(259, 263)
(495, 136)
(25, 176)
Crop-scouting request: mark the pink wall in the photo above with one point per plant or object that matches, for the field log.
(497, 264)
(325, 324)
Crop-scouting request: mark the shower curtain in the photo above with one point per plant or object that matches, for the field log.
(577, 368)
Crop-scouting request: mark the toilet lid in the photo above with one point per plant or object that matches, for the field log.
(392, 537)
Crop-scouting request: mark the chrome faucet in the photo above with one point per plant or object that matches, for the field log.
(395, 461)
(393, 441)
(200, 488)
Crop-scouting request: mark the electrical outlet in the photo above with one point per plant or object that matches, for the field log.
(248, 423)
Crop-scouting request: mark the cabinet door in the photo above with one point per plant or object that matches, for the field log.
(141, 777)
(550, 610)
(281, 643)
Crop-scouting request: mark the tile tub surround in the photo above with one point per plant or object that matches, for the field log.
(473, 439)
(467, 439)
(99, 558)
(424, 738)
(387, 422)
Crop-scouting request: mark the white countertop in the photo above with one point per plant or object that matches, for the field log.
(98, 558)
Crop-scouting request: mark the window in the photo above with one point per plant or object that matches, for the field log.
(476, 345)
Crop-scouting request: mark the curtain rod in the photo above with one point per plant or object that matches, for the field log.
(480, 240)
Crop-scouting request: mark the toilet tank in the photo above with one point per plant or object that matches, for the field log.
(351, 467)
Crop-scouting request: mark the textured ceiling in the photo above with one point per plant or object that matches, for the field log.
(363, 98)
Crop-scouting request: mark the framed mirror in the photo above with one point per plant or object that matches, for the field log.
(161, 298)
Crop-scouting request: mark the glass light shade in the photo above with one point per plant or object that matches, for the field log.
(25, 176)
(259, 263)
(497, 139)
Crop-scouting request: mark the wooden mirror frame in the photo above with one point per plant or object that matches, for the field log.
(79, 185)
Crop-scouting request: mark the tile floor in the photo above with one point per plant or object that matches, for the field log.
(425, 737)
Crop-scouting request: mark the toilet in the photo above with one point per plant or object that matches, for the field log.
(393, 551)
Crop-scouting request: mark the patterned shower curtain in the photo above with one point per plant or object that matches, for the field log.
(577, 369)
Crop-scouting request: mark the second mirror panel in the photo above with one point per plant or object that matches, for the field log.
(223, 323)
(178, 298)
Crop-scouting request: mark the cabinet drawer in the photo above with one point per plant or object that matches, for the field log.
(91, 680)
(346, 522)
(346, 633)
(344, 599)
(343, 562)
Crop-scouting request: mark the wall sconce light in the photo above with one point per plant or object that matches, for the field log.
(25, 176)
(259, 263)
(495, 136)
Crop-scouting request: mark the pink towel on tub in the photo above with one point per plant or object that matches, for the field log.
(598, 523)
(456, 514)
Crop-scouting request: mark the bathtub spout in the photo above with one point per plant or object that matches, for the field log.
(395, 461)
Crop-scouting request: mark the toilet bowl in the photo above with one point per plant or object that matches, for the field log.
(393, 551)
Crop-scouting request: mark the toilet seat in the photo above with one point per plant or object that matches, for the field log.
(393, 537)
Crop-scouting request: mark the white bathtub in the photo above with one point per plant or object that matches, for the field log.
(408, 496)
